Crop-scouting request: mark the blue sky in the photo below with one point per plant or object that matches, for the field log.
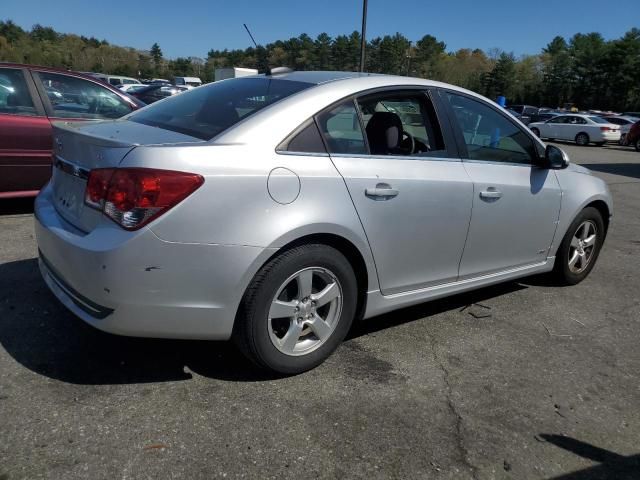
(192, 27)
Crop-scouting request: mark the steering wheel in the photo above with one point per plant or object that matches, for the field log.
(411, 139)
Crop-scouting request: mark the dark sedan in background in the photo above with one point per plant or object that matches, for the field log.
(31, 98)
(157, 91)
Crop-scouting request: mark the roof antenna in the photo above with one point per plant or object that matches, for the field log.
(270, 71)
(249, 32)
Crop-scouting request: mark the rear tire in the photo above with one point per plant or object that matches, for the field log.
(622, 140)
(637, 144)
(579, 251)
(282, 324)
(582, 139)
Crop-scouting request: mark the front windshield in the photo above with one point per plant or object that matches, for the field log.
(207, 111)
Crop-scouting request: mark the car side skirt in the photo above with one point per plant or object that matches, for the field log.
(378, 304)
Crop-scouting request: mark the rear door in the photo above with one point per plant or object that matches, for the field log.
(515, 203)
(412, 195)
(571, 126)
(25, 135)
(552, 128)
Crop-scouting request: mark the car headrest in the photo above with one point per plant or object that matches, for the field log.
(384, 132)
(13, 100)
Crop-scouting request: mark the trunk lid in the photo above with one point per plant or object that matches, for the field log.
(80, 147)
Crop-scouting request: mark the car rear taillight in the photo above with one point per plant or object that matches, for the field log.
(608, 129)
(132, 197)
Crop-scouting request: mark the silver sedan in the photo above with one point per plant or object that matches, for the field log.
(277, 209)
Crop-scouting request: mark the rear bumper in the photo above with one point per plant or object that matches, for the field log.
(133, 283)
(610, 137)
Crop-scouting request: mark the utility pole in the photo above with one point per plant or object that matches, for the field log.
(363, 45)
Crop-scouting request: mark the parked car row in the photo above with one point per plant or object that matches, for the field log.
(583, 129)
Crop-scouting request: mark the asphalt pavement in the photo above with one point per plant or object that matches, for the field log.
(524, 380)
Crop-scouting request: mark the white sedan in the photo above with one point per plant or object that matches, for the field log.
(582, 129)
(131, 87)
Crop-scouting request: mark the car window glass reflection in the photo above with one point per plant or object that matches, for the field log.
(15, 98)
(489, 135)
(72, 97)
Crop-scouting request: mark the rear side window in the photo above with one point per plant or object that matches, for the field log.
(205, 112)
(489, 135)
(15, 98)
(341, 129)
(307, 140)
(596, 120)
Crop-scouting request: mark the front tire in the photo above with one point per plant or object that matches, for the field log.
(298, 309)
(637, 144)
(580, 247)
(582, 139)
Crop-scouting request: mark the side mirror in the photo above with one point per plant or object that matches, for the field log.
(555, 158)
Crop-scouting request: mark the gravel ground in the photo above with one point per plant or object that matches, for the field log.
(545, 384)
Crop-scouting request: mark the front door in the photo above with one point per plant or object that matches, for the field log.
(515, 203)
(407, 184)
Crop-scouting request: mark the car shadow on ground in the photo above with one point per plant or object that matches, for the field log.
(16, 206)
(623, 169)
(610, 465)
(40, 334)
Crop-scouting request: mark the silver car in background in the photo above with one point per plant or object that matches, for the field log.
(277, 209)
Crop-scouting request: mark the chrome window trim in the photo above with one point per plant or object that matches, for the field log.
(496, 162)
(302, 154)
(394, 157)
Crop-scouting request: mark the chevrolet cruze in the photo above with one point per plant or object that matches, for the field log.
(277, 209)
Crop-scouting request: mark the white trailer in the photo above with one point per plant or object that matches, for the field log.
(234, 72)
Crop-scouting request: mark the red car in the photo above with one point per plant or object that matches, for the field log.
(30, 99)
(633, 137)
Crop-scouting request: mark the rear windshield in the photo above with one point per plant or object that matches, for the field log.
(209, 110)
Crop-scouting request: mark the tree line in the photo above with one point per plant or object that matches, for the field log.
(585, 70)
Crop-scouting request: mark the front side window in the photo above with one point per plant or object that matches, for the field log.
(559, 120)
(488, 134)
(15, 98)
(401, 123)
(341, 129)
(73, 97)
(205, 112)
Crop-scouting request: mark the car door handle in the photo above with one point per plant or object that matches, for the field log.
(382, 191)
(491, 193)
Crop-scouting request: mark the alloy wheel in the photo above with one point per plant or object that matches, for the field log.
(582, 139)
(582, 246)
(305, 311)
